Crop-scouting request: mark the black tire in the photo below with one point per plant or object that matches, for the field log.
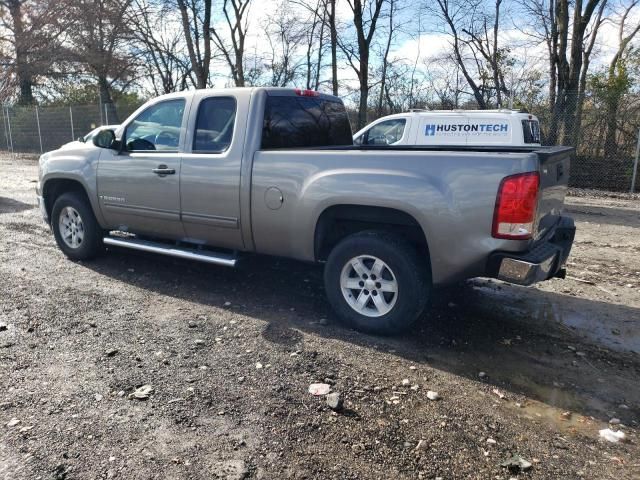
(411, 273)
(91, 244)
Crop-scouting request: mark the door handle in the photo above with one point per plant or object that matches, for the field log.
(163, 170)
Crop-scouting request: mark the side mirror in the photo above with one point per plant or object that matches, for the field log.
(105, 139)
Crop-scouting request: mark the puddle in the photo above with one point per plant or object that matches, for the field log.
(558, 419)
(613, 326)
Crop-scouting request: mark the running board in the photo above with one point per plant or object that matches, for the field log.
(224, 259)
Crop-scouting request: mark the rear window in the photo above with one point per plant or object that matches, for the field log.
(531, 131)
(291, 122)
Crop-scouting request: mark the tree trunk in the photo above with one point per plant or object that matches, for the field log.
(108, 112)
(23, 73)
(334, 48)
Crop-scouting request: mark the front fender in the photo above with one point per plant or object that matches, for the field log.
(76, 165)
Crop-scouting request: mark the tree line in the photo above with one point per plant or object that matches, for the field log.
(561, 59)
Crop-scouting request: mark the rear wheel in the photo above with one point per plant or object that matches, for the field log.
(75, 227)
(376, 282)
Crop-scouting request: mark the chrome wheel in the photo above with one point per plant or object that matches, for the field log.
(71, 227)
(369, 286)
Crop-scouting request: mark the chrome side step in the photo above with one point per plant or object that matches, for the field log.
(224, 259)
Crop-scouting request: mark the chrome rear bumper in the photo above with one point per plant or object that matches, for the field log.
(544, 261)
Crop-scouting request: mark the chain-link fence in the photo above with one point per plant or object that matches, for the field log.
(607, 139)
(602, 161)
(32, 129)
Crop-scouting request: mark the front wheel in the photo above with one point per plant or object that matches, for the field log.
(75, 227)
(376, 282)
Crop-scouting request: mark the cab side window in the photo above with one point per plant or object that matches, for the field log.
(385, 133)
(214, 125)
(157, 128)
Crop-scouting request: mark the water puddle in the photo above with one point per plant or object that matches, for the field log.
(613, 326)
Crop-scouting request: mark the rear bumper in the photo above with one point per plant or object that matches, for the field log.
(544, 261)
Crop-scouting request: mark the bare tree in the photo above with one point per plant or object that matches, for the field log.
(100, 43)
(160, 44)
(366, 14)
(392, 29)
(197, 29)
(34, 32)
(285, 34)
(617, 76)
(569, 29)
(233, 48)
(474, 30)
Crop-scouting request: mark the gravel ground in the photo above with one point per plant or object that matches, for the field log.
(230, 355)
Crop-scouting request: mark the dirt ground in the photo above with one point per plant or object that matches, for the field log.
(230, 355)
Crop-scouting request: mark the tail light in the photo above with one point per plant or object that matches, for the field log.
(515, 212)
(306, 93)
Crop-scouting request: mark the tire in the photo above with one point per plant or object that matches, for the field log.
(82, 240)
(381, 310)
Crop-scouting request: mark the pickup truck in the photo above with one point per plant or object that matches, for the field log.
(218, 175)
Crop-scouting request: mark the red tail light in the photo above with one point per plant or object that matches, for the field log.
(306, 93)
(515, 212)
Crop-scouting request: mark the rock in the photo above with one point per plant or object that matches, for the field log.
(318, 389)
(258, 365)
(516, 463)
(199, 342)
(111, 352)
(482, 374)
(227, 304)
(566, 415)
(230, 470)
(491, 441)
(142, 393)
(3, 326)
(497, 392)
(612, 436)
(614, 421)
(415, 387)
(26, 429)
(13, 422)
(406, 382)
(623, 406)
(240, 379)
(98, 397)
(192, 324)
(413, 367)
(324, 322)
(334, 401)
(431, 395)
(121, 393)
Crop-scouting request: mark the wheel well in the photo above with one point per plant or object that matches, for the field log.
(56, 187)
(340, 221)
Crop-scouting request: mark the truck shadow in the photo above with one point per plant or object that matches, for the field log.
(9, 205)
(513, 335)
(626, 217)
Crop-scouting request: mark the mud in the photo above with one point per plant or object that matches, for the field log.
(563, 356)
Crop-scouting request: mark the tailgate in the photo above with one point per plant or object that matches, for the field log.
(554, 165)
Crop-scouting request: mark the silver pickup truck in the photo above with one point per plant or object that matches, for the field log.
(216, 175)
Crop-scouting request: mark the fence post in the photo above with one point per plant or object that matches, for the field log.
(635, 165)
(39, 132)
(10, 136)
(73, 135)
(4, 127)
(106, 115)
